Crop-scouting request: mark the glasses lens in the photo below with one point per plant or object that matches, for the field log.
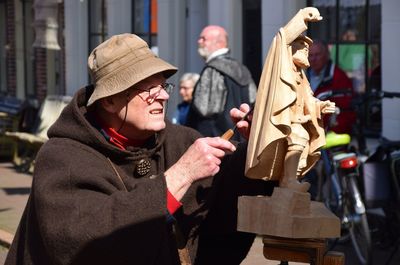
(154, 91)
(168, 87)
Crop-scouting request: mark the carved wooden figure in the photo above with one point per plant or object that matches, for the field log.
(285, 139)
(286, 132)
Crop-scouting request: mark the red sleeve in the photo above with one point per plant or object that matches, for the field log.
(172, 203)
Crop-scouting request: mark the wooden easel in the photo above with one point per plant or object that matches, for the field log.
(311, 251)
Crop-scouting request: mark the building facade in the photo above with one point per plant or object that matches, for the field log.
(171, 28)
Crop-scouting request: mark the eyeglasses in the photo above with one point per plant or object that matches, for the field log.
(151, 93)
(185, 87)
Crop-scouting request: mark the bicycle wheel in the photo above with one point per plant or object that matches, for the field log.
(357, 223)
(333, 198)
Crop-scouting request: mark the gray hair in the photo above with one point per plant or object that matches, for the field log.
(194, 77)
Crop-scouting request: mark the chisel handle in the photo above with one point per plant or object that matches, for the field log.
(228, 134)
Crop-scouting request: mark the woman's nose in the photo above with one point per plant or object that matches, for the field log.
(163, 94)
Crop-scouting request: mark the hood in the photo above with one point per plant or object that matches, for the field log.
(235, 70)
(75, 123)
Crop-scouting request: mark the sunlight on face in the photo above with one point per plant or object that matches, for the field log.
(209, 41)
(143, 118)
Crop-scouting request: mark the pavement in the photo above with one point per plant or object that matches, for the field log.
(14, 193)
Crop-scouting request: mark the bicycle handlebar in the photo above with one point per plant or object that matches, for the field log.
(389, 145)
(379, 94)
(333, 93)
(373, 95)
(386, 94)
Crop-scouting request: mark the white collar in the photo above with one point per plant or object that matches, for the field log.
(217, 53)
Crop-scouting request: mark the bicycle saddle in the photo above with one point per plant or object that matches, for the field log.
(333, 139)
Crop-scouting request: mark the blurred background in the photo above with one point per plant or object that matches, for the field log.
(44, 46)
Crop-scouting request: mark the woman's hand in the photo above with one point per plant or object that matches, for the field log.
(200, 161)
(243, 126)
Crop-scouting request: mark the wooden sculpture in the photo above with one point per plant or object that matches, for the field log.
(285, 139)
(286, 126)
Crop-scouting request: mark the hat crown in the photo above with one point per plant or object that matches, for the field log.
(113, 49)
(121, 62)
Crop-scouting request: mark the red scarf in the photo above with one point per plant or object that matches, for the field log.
(119, 140)
(122, 142)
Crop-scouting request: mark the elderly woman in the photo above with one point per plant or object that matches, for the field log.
(186, 87)
(118, 184)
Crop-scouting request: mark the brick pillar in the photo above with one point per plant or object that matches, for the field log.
(40, 73)
(10, 49)
(61, 42)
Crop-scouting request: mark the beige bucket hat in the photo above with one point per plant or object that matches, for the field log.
(121, 62)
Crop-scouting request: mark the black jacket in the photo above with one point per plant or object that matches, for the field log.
(224, 84)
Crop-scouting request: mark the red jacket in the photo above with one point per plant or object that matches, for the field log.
(336, 79)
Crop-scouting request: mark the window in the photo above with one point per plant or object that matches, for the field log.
(144, 21)
(97, 23)
(352, 29)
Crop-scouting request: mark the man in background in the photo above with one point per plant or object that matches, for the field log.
(224, 83)
(324, 75)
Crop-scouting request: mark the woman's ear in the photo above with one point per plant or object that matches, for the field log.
(110, 104)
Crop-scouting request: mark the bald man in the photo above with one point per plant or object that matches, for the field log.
(324, 75)
(224, 83)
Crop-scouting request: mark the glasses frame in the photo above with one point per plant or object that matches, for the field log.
(154, 91)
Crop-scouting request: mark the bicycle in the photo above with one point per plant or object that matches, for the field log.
(381, 177)
(338, 188)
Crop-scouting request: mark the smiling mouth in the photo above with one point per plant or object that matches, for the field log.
(156, 111)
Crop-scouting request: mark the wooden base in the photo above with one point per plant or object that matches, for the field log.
(294, 228)
(288, 214)
(311, 251)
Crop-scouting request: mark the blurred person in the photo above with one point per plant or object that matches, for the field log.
(351, 57)
(324, 75)
(129, 187)
(224, 83)
(186, 86)
(350, 35)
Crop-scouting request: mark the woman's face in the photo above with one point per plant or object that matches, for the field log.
(186, 90)
(141, 109)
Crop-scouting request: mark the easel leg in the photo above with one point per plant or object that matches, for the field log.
(334, 258)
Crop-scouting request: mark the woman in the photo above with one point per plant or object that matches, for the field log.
(118, 184)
